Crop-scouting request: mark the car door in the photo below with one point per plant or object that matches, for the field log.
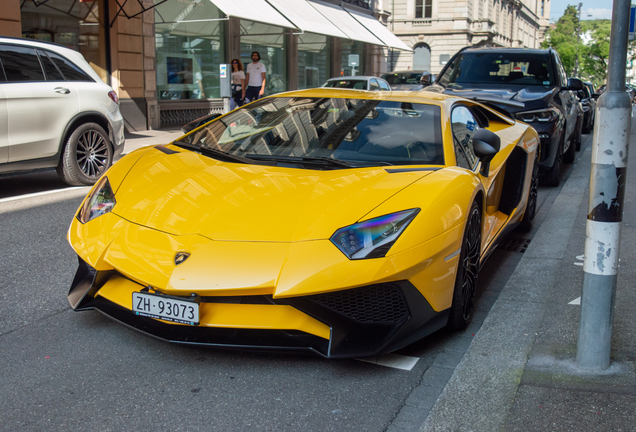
(38, 109)
(464, 125)
(4, 134)
(569, 100)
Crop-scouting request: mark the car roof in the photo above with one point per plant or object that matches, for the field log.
(360, 77)
(508, 50)
(405, 71)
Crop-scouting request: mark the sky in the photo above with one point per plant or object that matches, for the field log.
(591, 9)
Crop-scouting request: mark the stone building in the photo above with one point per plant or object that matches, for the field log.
(437, 29)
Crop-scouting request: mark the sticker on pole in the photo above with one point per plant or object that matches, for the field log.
(632, 18)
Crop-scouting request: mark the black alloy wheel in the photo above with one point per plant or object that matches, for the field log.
(465, 291)
(87, 155)
(533, 192)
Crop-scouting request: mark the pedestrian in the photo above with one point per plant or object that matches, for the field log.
(238, 83)
(255, 78)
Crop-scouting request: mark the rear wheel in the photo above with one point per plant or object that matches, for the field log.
(87, 155)
(531, 206)
(463, 305)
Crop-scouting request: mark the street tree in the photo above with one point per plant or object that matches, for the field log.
(563, 38)
(596, 50)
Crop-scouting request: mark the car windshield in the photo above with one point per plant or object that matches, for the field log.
(357, 84)
(403, 78)
(345, 132)
(498, 68)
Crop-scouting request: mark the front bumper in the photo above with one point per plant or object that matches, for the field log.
(357, 322)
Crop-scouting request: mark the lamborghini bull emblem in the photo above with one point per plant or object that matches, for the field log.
(180, 257)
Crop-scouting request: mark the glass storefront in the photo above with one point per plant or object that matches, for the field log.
(269, 41)
(313, 60)
(76, 25)
(351, 49)
(189, 41)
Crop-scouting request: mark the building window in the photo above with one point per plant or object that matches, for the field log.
(313, 60)
(423, 8)
(352, 58)
(269, 42)
(422, 58)
(189, 41)
(76, 25)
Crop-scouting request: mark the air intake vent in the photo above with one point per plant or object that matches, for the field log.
(375, 304)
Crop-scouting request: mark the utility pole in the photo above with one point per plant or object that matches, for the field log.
(578, 41)
(605, 208)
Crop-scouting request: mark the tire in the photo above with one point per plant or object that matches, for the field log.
(86, 155)
(575, 141)
(463, 306)
(552, 177)
(531, 206)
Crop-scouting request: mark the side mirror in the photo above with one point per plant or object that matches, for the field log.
(575, 84)
(486, 144)
(596, 95)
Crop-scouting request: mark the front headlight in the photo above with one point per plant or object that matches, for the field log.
(543, 116)
(99, 202)
(372, 238)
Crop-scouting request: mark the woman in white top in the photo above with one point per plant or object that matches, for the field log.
(238, 83)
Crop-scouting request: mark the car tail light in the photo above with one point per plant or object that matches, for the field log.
(113, 96)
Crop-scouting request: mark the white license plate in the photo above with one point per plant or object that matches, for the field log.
(165, 308)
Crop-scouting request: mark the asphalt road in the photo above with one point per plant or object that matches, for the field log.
(63, 370)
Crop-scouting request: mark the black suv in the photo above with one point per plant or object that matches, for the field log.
(529, 84)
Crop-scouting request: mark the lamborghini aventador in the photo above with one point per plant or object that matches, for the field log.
(345, 223)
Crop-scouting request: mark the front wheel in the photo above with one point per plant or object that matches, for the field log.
(465, 291)
(531, 206)
(86, 156)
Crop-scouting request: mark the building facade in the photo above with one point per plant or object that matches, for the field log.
(163, 57)
(437, 29)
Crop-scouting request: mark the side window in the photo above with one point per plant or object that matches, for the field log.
(52, 72)
(464, 127)
(384, 86)
(71, 71)
(561, 70)
(20, 63)
(373, 85)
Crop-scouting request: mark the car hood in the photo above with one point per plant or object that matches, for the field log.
(187, 193)
(536, 97)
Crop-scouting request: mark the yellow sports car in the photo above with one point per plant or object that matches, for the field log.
(347, 223)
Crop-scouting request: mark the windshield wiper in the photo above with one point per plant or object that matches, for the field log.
(216, 154)
(301, 159)
(321, 160)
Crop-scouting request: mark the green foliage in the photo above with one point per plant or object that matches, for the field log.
(563, 38)
(595, 53)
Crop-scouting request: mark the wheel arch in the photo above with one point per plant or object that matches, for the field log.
(80, 119)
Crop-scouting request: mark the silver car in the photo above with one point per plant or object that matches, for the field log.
(55, 111)
(359, 83)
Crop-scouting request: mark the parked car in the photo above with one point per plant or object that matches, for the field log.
(338, 222)
(408, 80)
(358, 83)
(55, 111)
(588, 104)
(535, 81)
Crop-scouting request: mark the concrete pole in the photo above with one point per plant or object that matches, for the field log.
(605, 209)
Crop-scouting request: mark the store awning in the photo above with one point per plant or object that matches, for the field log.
(306, 17)
(379, 30)
(253, 10)
(345, 22)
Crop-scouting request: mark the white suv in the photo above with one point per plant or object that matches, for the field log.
(55, 111)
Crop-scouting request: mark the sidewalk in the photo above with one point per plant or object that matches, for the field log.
(520, 372)
(135, 140)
